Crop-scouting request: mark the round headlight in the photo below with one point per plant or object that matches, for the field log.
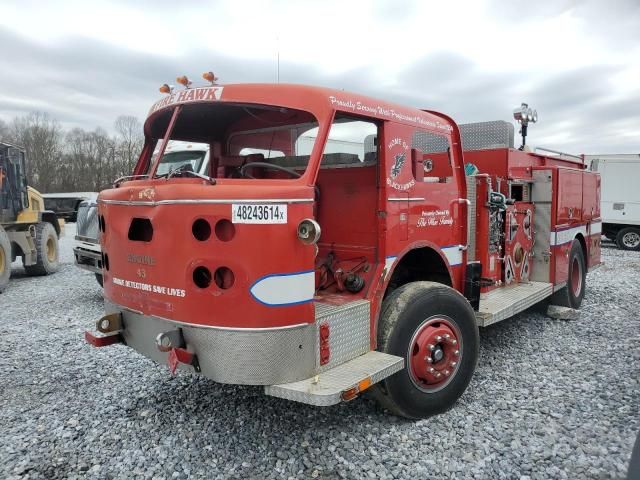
(308, 231)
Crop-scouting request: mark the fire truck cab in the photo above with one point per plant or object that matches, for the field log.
(336, 243)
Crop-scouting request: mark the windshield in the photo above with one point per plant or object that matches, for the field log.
(187, 159)
(250, 141)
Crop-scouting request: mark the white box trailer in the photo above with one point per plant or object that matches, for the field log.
(620, 197)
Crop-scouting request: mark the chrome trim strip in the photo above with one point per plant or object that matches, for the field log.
(411, 199)
(213, 327)
(206, 201)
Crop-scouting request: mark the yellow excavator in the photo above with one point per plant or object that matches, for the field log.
(26, 229)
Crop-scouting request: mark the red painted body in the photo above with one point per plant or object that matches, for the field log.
(371, 216)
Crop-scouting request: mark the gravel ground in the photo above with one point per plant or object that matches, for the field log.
(550, 399)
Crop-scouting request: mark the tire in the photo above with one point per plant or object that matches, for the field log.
(5, 259)
(100, 279)
(47, 250)
(628, 239)
(413, 315)
(572, 294)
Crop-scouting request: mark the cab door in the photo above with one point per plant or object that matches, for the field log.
(436, 212)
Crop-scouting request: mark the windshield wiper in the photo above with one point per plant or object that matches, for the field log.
(186, 169)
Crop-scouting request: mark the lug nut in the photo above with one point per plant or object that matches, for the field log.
(454, 341)
(447, 373)
(438, 338)
(453, 364)
(447, 336)
(457, 353)
(438, 375)
(429, 359)
(431, 370)
(431, 347)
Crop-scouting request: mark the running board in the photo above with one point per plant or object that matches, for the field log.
(340, 383)
(505, 302)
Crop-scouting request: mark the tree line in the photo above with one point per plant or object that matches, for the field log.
(76, 160)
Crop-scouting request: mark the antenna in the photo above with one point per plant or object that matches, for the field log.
(278, 58)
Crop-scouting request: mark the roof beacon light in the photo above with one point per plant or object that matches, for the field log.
(525, 115)
(210, 77)
(165, 88)
(183, 80)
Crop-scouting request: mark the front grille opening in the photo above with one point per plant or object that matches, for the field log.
(202, 277)
(224, 278)
(201, 229)
(140, 230)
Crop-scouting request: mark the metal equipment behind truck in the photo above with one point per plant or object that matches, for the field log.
(27, 230)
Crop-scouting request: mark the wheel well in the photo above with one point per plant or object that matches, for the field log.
(611, 228)
(16, 251)
(48, 216)
(419, 264)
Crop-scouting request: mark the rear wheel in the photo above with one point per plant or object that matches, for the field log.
(628, 238)
(5, 259)
(434, 329)
(572, 294)
(46, 249)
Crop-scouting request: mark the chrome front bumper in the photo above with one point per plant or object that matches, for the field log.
(236, 356)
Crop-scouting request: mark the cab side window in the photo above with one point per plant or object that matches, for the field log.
(432, 157)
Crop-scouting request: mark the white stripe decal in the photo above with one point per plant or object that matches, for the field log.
(284, 288)
(596, 227)
(453, 254)
(565, 236)
(388, 263)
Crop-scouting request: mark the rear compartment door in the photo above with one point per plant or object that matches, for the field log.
(590, 196)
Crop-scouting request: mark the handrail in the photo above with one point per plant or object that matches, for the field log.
(557, 152)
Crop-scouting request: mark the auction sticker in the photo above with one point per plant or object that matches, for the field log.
(258, 213)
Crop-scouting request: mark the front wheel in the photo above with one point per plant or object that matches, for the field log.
(433, 328)
(628, 239)
(47, 260)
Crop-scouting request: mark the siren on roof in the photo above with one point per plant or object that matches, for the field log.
(210, 77)
(184, 80)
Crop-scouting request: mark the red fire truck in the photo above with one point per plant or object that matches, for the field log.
(335, 243)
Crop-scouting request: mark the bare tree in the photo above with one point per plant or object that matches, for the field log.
(5, 134)
(129, 142)
(41, 137)
(78, 160)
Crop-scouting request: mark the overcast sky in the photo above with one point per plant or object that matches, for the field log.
(576, 62)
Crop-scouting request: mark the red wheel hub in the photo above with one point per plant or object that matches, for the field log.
(434, 353)
(576, 277)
